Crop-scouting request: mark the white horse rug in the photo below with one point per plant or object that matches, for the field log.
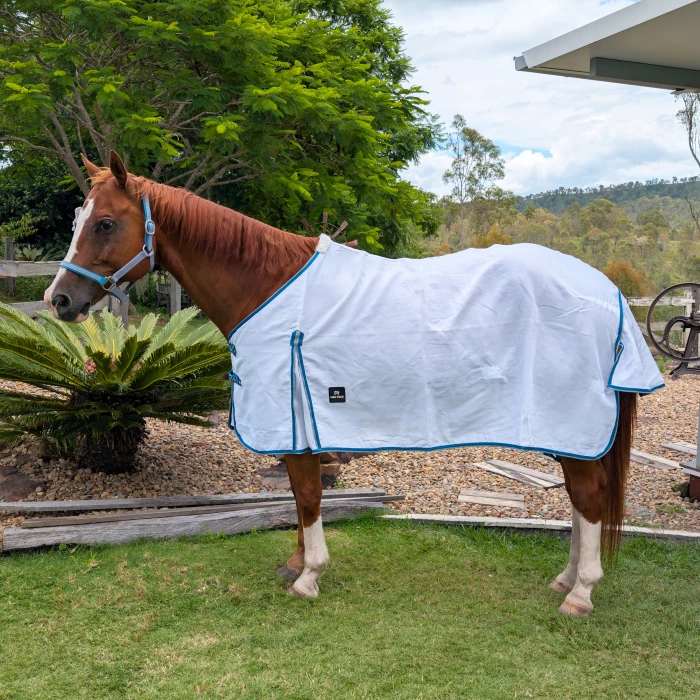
(518, 346)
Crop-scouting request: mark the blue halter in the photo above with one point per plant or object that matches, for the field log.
(109, 284)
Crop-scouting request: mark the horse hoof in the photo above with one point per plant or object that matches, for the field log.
(571, 609)
(287, 573)
(293, 590)
(560, 586)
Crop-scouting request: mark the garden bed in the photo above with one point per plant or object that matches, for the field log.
(196, 461)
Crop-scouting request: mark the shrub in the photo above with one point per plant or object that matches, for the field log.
(99, 382)
(629, 281)
(493, 237)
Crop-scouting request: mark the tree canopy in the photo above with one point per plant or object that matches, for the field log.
(280, 109)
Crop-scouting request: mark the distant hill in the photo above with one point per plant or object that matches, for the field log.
(559, 200)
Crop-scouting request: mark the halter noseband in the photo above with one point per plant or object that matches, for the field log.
(109, 284)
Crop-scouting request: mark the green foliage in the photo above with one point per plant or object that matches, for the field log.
(34, 185)
(99, 382)
(26, 289)
(559, 200)
(18, 228)
(629, 281)
(476, 162)
(278, 109)
(476, 165)
(647, 252)
(34, 254)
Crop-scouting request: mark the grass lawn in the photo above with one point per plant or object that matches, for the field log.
(406, 611)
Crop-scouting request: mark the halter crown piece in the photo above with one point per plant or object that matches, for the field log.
(109, 284)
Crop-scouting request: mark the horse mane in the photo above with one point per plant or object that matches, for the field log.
(219, 232)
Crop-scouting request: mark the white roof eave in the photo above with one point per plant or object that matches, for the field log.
(599, 30)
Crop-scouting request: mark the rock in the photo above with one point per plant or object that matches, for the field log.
(15, 486)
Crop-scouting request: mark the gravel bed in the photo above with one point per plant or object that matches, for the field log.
(197, 461)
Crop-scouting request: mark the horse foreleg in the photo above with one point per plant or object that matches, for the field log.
(306, 469)
(586, 483)
(292, 569)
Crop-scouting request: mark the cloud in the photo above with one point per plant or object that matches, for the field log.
(559, 131)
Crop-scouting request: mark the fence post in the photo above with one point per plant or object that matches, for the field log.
(118, 309)
(10, 255)
(175, 296)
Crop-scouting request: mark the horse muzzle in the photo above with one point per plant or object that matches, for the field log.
(65, 308)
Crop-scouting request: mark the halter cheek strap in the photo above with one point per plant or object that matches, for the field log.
(109, 284)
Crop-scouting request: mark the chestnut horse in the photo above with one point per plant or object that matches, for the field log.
(230, 265)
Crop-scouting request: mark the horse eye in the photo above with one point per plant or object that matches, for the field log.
(106, 225)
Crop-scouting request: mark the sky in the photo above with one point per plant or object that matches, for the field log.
(552, 131)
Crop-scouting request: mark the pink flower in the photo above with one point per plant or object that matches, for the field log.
(90, 366)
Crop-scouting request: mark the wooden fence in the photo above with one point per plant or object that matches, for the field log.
(11, 269)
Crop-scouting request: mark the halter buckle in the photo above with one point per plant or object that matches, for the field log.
(108, 284)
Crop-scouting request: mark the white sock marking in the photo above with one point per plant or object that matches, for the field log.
(589, 571)
(315, 559)
(568, 576)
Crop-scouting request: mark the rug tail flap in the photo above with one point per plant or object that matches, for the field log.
(635, 369)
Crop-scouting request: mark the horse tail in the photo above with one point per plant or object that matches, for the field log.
(616, 463)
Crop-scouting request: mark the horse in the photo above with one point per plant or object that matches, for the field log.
(231, 266)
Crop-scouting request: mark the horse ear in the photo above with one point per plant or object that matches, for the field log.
(91, 167)
(118, 170)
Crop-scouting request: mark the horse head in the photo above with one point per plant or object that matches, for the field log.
(108, 233)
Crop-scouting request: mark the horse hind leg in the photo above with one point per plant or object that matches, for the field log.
(307, 491)
(567, 578)
(586, 483)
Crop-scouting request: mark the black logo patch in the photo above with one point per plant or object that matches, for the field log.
(336, 394)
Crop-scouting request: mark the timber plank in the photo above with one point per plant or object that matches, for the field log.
(486, 466)
(686, 448)
(492, 498)
(12, 268)
(534, 473)
(31, 307)
(650, 460)
(536, 524)
(169, 501)
(173, 512)
(229, 523)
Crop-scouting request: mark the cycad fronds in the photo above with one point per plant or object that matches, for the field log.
(104, 381)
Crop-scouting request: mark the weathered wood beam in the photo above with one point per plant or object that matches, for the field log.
(532, 473)
(535, 524)
(687, 448)
(492, 498)
(664, 301)
(13, 268)
(650, 460)
(231, 523)
(31, 307)
(169, 501)
(173, 512)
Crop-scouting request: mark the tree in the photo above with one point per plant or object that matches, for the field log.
(689, 117)
(629, 281)
(475, 165)
(494, 237)
(100, 382)
(40, 188)
(279, 108)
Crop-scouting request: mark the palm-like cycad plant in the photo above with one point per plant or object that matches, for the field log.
(99, 382)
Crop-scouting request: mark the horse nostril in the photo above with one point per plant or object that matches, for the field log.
(61, 301)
